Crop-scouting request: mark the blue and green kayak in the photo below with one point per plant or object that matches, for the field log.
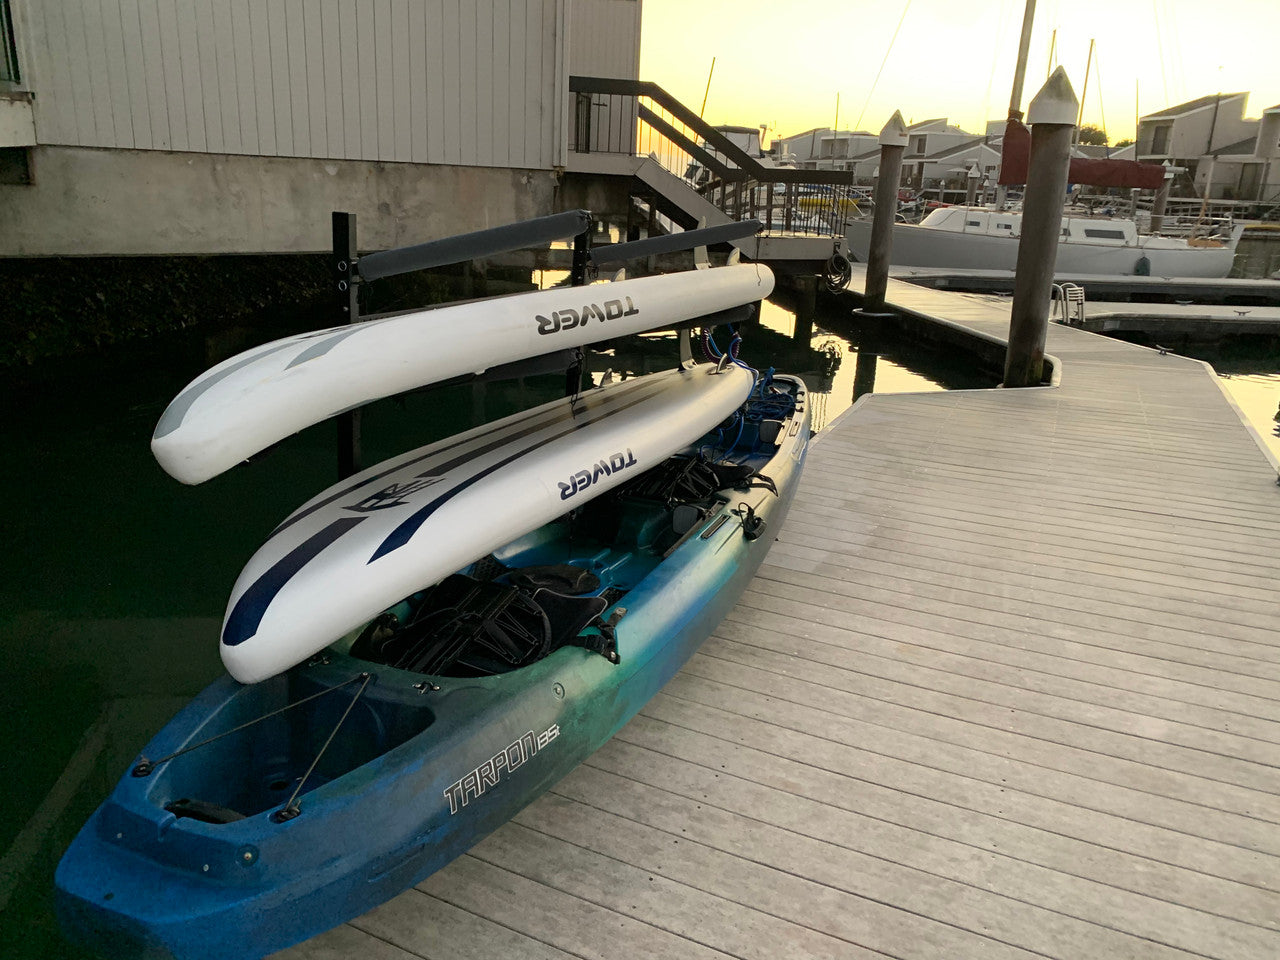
(268, 812)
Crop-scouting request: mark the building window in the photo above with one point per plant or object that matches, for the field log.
(8, 45)
(1160, 138)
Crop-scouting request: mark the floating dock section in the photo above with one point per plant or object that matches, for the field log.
(1007, 687)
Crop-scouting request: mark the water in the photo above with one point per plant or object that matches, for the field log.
(116, 575)
(1250, 372)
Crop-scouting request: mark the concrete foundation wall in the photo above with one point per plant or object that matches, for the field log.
(92, 202)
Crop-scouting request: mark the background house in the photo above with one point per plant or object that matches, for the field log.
(1225, 154)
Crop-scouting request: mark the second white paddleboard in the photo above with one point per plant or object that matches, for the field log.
(366, 543)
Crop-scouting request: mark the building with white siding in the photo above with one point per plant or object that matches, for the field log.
(1225, 154)
(170, 127)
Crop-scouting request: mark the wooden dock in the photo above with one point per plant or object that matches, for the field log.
(1007, 687)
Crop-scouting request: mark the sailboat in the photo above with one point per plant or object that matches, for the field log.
(986, 238)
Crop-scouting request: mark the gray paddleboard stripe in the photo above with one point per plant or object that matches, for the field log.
(321, 348)
(177, 410)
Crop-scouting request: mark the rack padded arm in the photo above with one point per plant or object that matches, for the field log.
(469, 246)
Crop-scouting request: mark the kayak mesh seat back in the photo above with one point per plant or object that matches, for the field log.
(460, 627)
(678, 480)
(568, 615)
(463, 627)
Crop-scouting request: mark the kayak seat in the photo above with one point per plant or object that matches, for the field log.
(460, 628)
(568, 615)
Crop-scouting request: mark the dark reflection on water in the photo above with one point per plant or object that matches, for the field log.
(116, 575)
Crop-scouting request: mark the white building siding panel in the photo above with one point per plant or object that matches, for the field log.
(535, 65)
(335, 105)
(133, 63)
(402, 82)
(385, 80)
(606, 39)
(145, 54)
(517, 119)
(172, 89)
(471, 82)
(116, 73)
(188, 55)
(317, 91)
(467, 99)
(485, 70)
(435, 48)
(503, 130)
(416, 38)
(241, 45)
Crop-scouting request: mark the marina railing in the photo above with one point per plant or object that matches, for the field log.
(640, 119)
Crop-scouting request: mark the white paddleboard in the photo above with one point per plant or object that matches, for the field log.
(373, 539)
(246, 403)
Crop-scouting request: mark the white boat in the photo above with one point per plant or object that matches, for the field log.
(400, 526)
(973, 238)
(254, 399)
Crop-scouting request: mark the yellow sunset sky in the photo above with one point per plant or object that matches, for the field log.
(783, 64)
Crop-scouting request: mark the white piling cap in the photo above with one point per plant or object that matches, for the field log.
(894, 133)
(1056, 102)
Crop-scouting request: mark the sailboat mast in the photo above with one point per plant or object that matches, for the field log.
(1019, 75)
(1020, 72)
(1084, 92)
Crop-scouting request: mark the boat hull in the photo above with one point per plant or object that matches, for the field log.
(922, 246)
(454, 759)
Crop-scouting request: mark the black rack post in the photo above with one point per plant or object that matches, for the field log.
(581, 252)
(578, 278)
(346, 304)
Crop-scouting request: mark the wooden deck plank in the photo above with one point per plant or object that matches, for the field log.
(945, 668)
(798, 848)
(848, 776)
(630, 882)
(1007, 686)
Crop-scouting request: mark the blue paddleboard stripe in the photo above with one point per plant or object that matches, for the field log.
(252, 605)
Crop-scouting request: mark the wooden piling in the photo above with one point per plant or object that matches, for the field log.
(973, 178)
(1052, 116)
(1161, 200)
(893, 143)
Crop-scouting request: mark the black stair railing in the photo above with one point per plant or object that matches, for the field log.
(639, 118)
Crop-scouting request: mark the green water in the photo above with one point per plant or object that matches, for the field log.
(115, 575)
